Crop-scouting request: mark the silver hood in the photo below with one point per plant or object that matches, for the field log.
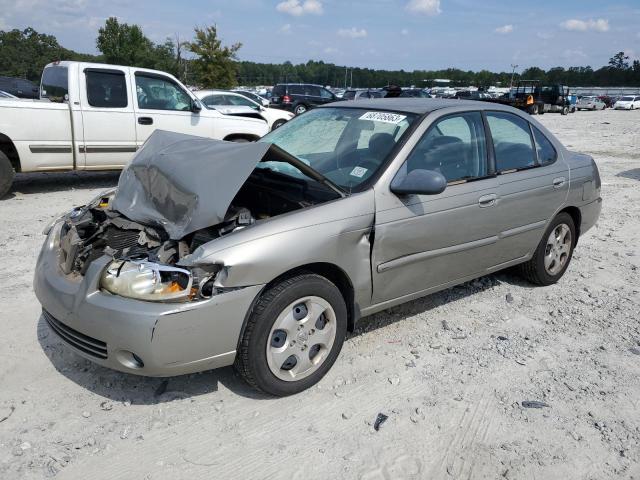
(184, 183)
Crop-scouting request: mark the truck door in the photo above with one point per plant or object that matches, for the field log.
(162, 103)
(107, 117)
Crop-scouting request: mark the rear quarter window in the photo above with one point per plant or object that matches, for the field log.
(546, 152)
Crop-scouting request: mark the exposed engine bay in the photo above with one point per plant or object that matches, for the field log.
(96, 229)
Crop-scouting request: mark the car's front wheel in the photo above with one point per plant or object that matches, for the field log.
(293, 336)
(553, 254)
(7, 174)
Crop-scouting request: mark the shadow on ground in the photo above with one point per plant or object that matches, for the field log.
(118, 386)
(32, 183)
(633, 174)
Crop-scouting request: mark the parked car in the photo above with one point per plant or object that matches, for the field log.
(590, 103)
(628, 102)
(300, 97)
(607, 100)
(253, 96)
(93, 116)
(361, 94)
(19, 87)
(215, 99)
(264, 254)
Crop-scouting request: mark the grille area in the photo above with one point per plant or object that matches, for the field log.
(119, 240)
(90, 346)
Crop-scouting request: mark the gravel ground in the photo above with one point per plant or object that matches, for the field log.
(451, 371)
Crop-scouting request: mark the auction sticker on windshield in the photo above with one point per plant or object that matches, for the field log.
(385, 117)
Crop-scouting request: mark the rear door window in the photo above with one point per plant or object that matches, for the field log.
(544, 148)
(512, 141)
(55, 83)
(106, 88)
(296, 90)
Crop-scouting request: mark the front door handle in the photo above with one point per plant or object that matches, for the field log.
(558, 182)
(487, 200)
(145, 120)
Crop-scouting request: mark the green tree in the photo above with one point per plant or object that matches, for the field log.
(24, 53)
(619, 61)
(125, 44)
(214, 65)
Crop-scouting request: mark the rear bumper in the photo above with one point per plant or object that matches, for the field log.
(169, 338)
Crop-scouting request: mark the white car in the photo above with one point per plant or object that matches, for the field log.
(253, 96)
(93, 116)
(628, 102)
(222, 100)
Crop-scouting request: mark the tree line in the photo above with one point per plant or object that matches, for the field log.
(205, 62)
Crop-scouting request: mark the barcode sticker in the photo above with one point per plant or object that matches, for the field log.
(385, 117)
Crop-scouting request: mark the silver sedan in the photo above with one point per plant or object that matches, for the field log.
(264, 255)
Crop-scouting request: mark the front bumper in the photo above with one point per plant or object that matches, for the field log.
(169, 338)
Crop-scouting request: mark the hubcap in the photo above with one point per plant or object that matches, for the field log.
(557, 249)
(301, 109)
(301, 338)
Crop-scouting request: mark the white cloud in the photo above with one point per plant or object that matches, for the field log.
(285, 29)
(574, 54)
(544, 35)
(330, 50)
(298, 8)
(575, 25)
(352, 32)
(504, 29)
(404, 31)
(428, 7)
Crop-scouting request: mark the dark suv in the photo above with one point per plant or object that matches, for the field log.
(300, 97)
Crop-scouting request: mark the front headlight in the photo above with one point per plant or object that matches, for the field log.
(145, 280)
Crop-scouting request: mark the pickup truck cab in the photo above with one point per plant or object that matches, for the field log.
(94, 117)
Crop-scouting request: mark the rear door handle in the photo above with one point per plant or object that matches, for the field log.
(558, 182)
(145, 120)
(487, 200)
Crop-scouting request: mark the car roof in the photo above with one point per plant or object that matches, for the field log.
(411, 104)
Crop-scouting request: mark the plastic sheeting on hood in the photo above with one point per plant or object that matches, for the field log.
(184, 183)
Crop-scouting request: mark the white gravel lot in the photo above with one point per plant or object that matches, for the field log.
(450, 371)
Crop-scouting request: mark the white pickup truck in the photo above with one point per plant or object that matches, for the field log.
(94, 116)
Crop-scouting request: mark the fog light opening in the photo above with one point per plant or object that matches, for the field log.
(129, 359)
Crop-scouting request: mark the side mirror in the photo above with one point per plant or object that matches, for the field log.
(195, 106)
(419, 182)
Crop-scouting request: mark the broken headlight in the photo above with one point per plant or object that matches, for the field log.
(145, 280)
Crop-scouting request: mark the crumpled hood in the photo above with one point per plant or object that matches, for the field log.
(184, 183)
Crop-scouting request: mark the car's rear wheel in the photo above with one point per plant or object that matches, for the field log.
(293, 335)
(300, 109)
(553, 254)
(7, 174)
(278, 123)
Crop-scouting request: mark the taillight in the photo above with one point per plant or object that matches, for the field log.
(286, 99)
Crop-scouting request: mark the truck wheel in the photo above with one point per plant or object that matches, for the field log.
(7, 173)
(565, 110)
(553, 254)
(293, 335)
(533, 109)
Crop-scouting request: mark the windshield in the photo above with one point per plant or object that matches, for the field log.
(346, 145)
(626, 99)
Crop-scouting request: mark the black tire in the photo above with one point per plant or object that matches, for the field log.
(300, 109)
(533, 109)
(278, 123)
(534, 270)
(565, 110)
(251, 358)
(7, 173)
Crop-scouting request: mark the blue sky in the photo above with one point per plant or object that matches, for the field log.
(393, 34)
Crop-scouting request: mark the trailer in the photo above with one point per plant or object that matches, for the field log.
(535, 99)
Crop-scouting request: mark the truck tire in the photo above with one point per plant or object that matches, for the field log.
(7, 173)
(533, 109)
(565, 110)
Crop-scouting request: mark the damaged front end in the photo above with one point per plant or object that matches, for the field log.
(177, 194)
